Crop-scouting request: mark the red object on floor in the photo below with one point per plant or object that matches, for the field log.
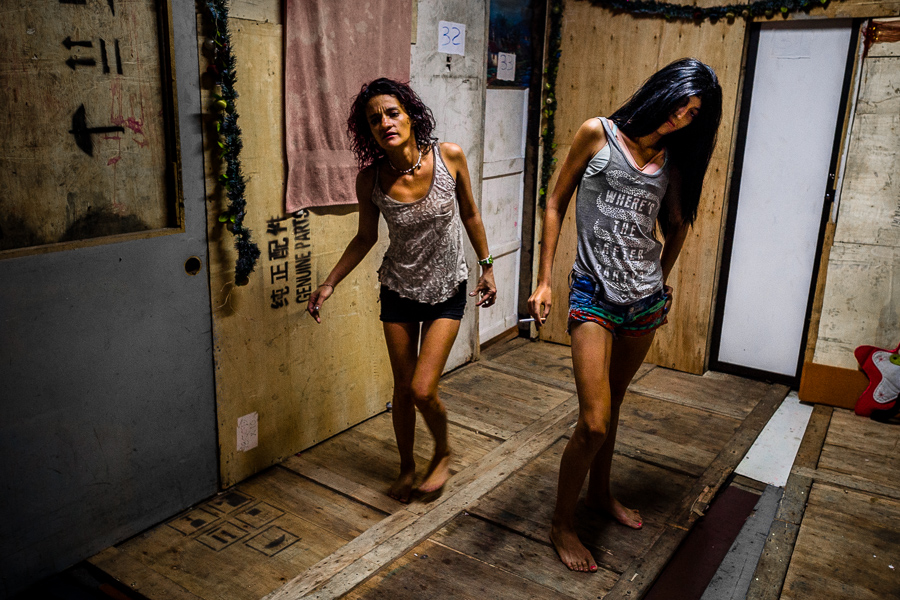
(690, 570)
(881, 399)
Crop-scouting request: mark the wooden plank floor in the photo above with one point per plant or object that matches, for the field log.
(320, 526)
(837, 535)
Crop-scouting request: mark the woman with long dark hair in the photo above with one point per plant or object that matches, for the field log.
(422, 188)
(637, 172)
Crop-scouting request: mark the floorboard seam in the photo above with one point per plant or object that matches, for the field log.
(348, 567)
(518, 372)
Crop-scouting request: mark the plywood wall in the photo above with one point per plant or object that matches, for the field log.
(605, 57)
(298, 381)
(861, 303)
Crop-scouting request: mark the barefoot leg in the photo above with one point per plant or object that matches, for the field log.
(627, 355)
(402, 341)
(437, 340)
(591, 347)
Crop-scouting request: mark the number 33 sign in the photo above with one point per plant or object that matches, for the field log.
(451, 38)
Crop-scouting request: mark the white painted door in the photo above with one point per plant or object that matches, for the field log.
(501, 202)
(795, 104)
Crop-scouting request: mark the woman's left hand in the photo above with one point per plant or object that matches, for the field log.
(486, 288)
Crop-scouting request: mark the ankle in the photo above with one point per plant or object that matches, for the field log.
(442, 453)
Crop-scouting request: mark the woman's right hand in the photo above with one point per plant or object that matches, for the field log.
(317, 298)
(539, 304)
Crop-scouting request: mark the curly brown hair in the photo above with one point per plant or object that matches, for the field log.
(362, 142)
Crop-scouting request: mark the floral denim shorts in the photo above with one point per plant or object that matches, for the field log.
(641, 317)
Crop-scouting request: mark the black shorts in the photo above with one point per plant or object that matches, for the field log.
(397, 309)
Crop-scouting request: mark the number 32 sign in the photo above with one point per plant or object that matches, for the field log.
(451, 38)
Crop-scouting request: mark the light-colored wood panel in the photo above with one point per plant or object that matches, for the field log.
(264, 11)
(853, 9)
(304, 381)
(869, 209)
(683, 343)
(815, 316)
(593, 82)
(844, 549)
(879, 91)
(87, 149)
(861, 304)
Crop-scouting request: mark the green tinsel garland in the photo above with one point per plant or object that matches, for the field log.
(548, 133)
(767, 8)
(223, 69)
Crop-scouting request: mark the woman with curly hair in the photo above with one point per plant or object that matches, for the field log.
(640, 169)
(423, 189)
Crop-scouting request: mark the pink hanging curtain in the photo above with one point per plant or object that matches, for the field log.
(332, 47)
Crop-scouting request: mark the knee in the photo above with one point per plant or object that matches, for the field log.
(424, 397)
(593, 431)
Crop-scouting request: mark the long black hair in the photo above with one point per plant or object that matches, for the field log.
(362, 142)
(689, 149)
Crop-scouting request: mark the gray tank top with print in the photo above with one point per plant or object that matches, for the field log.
(615, 212)
(425, 260)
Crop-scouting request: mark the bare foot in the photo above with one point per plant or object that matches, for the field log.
(402, 488)
(626, 516)
(438, 474)
(571, 551)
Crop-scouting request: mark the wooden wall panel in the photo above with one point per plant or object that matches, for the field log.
(305, 382)
(861, 303)
(868, 211)
(605, 57)
(854, 9)
(862, 298)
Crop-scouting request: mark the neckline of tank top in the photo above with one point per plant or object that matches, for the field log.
(437, 155)
(623, 148)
